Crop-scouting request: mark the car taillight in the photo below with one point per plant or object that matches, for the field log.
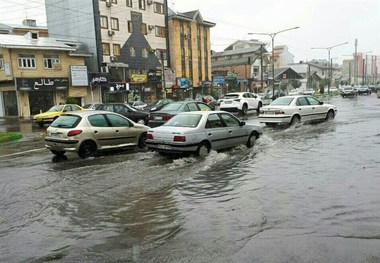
(179, 138)
(237, 100)
(74, 132)
(149, 136)
(166, 117)
(279, 112)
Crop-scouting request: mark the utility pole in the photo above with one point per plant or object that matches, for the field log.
(261, 68)
(356, 63)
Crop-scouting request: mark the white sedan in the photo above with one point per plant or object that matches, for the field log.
(293, 109)
(198, 132)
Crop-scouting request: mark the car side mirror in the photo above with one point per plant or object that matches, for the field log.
(242, 123)
(321, 103)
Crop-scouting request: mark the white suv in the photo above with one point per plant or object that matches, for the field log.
(241, 101)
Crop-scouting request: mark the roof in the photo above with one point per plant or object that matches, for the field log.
(23, 42)
(190, 16)
(237, 52)
(291, 74)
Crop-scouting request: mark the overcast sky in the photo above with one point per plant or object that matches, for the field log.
(323, 23)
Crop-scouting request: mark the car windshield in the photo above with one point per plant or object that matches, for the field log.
(184, 120)
(56, 108)
(172, 106)
(282, 101)
(66, 121)
(231, 96)
(349, 88)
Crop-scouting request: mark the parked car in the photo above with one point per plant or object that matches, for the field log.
(53, 113)
(207, 99)
(348, 92)
(308, 92)
(157, 105)
(364, 89)
(277, 93)
(158, 118)
(126, 110)
(91, 106)
(89, 132)
(138, 104)
(199, 132)
(241, 102)
(295, 92)
(290, 110)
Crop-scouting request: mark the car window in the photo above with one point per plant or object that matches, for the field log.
(66, 121)
(302, 101)
(74, 107)
(230, 120)
(282, 101)
(98, 120)
(214, 121)
(120, 109)
(118, 121)
(172, 106)
(184, 120)
(192, 106)
(56, 108)
(231, 96)
(313, 101)
(204, 107)
(108, 107)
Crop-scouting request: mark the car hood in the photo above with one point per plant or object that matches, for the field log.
(47, 114)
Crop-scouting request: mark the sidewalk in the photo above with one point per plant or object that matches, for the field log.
(15, 128)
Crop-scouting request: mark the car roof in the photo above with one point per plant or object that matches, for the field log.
(202, 112)
(84, 113)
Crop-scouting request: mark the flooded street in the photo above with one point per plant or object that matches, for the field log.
(304, 194)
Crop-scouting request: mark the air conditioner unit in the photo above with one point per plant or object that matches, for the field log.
(150, 2)
(104, 69)
(111, 32)
(151, 27)
(113, 58)
(108, 3)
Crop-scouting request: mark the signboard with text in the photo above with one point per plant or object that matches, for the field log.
(79, 75)
(42, 84)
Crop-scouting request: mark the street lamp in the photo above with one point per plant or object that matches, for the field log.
(328, 62)
(364, 79)
(272, 35)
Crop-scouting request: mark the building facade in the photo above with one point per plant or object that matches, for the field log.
(35, 73)
(190, 52)
(127, 40)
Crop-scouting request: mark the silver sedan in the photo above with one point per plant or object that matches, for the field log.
(199, 132)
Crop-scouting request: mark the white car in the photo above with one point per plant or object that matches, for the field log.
(241, 102)
(199, 132)
(138, 104)
(290, 110)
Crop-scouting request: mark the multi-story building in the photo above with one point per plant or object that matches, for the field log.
(126, 38)
(27, 26)
(35, 73)
(365, 70)
(282, 57)
(190, 51)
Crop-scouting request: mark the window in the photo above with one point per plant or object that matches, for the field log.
(106, 49)
(129, 3)
(158, 8)
(116, 49)
(214, 121)
(49, 60)
(132, 52)
(145, 52)
(160, 31)
(302, 101)
(1, 62)
(143, 29)
(313, 101)
(98, 120)
(130, 26)
(103, 22)
(118, 121)
(229, 120)
(114, 23)
(26, 61)
(142, 4)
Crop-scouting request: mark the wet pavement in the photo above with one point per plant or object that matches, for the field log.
(304, 194)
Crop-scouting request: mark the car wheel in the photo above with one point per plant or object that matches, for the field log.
(296, 119)
(87, 149)
(141, 121)
(58, 153)
(244, 109)
(203, 150)
(251, 140)
(330, 115)
(142, 141)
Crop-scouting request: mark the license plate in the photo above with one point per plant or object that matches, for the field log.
(158, 118)
(228, 102)
(163, 147)
(269, 112)
(55, 135)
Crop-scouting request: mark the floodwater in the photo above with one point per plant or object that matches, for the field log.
(304, 194)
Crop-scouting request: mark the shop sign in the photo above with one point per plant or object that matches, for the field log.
(219, 80)
(118, 86)
(79, 76)
(183, 83)
(42, 84)
(154, 76)
(98, 78)
(206, 84)
(138, 78)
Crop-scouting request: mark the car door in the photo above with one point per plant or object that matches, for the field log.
(101, 130)
(236, 133)
(254, 103)
(216, 132)
(123, 130)
(303, 108)
(319, 110)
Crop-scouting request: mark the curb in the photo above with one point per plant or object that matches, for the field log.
(9, 136)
